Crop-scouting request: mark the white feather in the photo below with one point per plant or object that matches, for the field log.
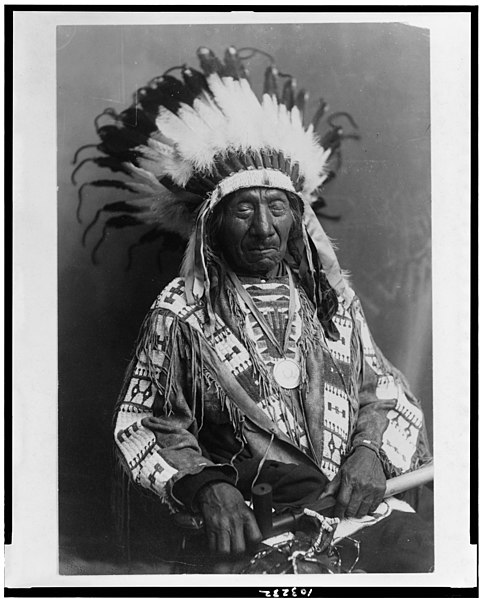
(231, 119)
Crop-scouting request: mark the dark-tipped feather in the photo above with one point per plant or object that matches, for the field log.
(332, 138)
(270, 82)
(79, 166)
(234, 67)
(148, 237)
(134, 117)
(167, 91)
(288, 93)
(110, 162)
(301, 101)
(114, 207)
(335, 115)
(116, 222)
(113, 183)
(107, 112)
(195, 81)
(121, 140)
(84, 147)
(318, 205)
(209, 62)
(319, 113)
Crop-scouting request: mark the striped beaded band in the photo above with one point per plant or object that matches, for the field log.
(264, 177)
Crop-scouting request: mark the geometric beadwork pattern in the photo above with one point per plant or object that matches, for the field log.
(155, 472)
(230, 350)
(336, 410)
(341, 349)
(279, 413)
(138, 445)
(387, 388)
(334, 449)
(172, 297)
(336, 428)
(140, 391)
(272, 301)
(336, 402)
(400, 440)
(226, 345)
(368, 346)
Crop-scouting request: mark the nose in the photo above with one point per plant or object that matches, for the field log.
(262, 223)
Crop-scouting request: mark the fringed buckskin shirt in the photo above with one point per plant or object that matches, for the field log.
(199, 398)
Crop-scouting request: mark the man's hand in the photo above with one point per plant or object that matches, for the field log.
(359, 485)
(230, 524)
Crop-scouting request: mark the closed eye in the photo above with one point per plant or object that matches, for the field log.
(243, 210)
(278, 207)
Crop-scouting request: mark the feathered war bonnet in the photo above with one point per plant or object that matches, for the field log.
(186, 144)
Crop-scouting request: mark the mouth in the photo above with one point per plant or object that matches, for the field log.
(263, 250)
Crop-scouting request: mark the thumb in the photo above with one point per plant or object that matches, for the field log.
(332, 487)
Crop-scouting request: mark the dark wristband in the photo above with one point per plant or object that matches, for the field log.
(187, 487)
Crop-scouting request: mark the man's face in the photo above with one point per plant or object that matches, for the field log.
(256, 226)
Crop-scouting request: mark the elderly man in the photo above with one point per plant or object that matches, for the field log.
(256, 365)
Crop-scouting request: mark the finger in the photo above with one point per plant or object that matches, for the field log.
(354, 505)
(211, 540)
(223, 542)
(364, 509)
(252, 532)
(375, 504)
(343, 499)
(237, 538)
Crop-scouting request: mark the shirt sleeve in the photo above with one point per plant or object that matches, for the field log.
(390, 420)
(155, 420)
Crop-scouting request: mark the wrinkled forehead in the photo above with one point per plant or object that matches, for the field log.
(254, 194)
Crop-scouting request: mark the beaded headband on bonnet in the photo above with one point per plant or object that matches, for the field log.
(187, 144)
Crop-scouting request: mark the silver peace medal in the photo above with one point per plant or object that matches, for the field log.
(286, 372)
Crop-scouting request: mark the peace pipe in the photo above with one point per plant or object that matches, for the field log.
(270, 525)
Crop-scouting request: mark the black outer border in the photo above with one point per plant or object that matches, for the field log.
(219, 591)
(8, 269)
(228, 591)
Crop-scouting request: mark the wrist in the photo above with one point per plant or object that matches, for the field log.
(207, 489)
(364, 449)
(186, 489)
(365, 445)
